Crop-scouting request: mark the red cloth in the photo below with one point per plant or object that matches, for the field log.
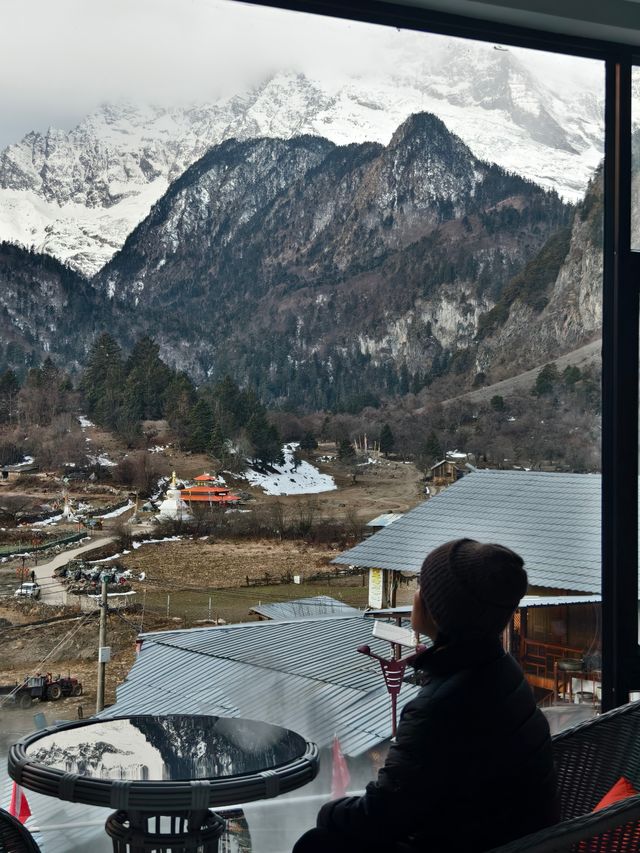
(620, 791)
(340, 776)
(19, 807)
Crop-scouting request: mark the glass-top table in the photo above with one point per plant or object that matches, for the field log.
(163, 773)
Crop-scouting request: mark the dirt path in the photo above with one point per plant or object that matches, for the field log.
(524, 381)
(52, 591)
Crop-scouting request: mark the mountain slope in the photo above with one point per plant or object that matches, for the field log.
(45, 308)
(314, 271)
(78, 194)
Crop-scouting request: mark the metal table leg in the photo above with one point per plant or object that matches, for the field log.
(141, 832)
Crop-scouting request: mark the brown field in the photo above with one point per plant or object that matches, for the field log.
(190, 581)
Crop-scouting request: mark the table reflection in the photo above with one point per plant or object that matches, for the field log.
(171, 748)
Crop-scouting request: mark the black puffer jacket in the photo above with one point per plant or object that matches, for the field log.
(472, 765)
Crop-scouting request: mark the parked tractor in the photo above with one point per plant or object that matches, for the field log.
(46, 688)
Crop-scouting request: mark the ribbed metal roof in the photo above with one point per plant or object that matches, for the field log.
(555, 600)
(302, 674)
(384, 520)
(404, 610)
(552, 520)
(305, 608)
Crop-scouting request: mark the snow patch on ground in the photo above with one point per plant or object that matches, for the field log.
(101, 459)
(109, 559)
(116, 512)
(137, 545)
(84, 422)
(289, 480)
(47, 521)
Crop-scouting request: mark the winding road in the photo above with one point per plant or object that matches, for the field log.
(52, 591)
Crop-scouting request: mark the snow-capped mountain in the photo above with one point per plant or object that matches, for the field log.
(77, 194)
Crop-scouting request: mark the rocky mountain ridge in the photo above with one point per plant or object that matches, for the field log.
(327, 276)
(300, 263)
(77, 194)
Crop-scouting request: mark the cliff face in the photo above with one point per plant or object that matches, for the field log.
(567, 312)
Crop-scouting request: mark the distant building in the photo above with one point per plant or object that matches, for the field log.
(304, 608)
(9, 473)
(450, 469)
(384, 520)
(209, 490)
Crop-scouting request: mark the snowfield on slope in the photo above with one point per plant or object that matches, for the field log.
(287, 479)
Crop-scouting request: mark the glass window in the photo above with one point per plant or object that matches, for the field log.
(349, 272)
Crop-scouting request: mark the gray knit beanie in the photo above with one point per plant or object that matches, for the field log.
(469, 587)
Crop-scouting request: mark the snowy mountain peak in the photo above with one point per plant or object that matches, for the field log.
(77, 194)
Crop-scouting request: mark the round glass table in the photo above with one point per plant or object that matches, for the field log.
(162, 774)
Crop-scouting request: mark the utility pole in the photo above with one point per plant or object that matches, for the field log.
(104, 652)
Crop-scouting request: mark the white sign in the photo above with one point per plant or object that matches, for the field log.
(376, 588)
(104, 654)
(394, 634)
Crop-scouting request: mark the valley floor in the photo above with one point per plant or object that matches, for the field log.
(190, 581)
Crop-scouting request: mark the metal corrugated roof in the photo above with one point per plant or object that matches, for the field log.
(404, 610)
(305, 608)
(303, 674)
(555, 600)
(384, 520)
(552, 520)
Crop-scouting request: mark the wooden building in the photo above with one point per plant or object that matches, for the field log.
(209, 491)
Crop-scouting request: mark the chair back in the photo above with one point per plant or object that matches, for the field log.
(591, 757)
(14, 838)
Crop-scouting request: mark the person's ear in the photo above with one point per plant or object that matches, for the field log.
(421, 619)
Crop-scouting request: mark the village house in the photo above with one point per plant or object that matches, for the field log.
(553, 521)
(450, 469)
(10, 473)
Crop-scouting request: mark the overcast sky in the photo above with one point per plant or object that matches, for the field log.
(59, 59)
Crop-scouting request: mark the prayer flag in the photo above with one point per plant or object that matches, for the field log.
(340, 776)
(19, 807)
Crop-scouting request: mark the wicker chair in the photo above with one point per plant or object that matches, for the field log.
(590, 759)
(14, 838)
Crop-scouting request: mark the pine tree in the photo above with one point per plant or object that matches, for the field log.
(217, 444)
(179, 399)
(102, 381)
(431, 450)
(9, 387)
(308, 441)
(545, 380)
(264, 437)
(387, 440)
(346, 452)
(147, 378)
(200, 427)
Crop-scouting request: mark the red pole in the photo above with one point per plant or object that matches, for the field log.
(393, 715)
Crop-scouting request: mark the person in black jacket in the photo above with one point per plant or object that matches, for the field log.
(471, 767)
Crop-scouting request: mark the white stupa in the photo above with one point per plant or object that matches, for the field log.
(67, 511)
(173, 508)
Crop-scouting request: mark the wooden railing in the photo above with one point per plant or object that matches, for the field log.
(538, 660)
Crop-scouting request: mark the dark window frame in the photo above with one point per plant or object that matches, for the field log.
(620, 339)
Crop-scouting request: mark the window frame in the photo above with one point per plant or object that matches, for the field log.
(621, 280)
